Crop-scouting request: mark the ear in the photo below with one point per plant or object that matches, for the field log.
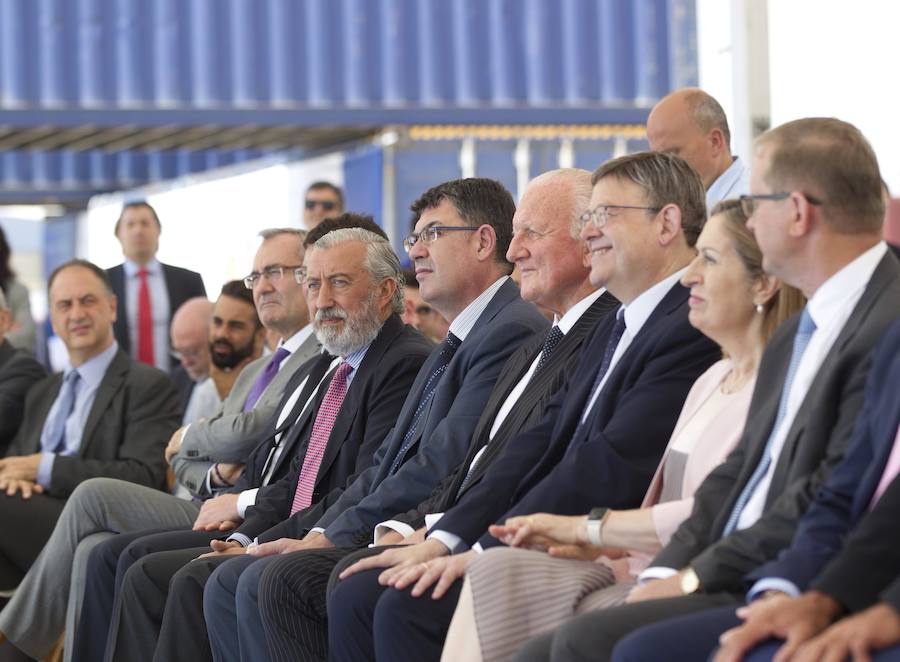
(764, 289)
(487, 242)
(585, 254)
(670, 228)
(716, 141)
(114, 304)
(386, 291)
(805, 216)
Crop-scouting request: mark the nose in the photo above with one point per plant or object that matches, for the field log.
(418, 250)
(588, 231)
(324, 298)
(516, 250)
(692, 275)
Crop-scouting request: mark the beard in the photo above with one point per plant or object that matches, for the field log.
(357, 332)
(228, 356)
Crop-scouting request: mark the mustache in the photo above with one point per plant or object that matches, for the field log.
(332, 313)
(222, 343)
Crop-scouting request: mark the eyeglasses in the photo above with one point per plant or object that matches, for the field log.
(423, 310)
(327, 205)
(599, 215)
(188, 354)
(750, 203)
(430, 234)
(272, 274)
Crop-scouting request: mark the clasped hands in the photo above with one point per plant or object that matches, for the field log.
(280, 546)
(19, 474)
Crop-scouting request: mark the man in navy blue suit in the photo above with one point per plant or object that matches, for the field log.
(600, 438)
(825, 574)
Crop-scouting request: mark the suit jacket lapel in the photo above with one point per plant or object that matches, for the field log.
(110, 384)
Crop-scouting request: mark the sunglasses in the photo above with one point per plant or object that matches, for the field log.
(327, 205)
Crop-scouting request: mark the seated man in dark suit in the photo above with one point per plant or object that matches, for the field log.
(842, 561)
(148, 292)
(18, 371)
(549, 256)
(601, 437)
(465, 227)
(106, 416)
(817, 212)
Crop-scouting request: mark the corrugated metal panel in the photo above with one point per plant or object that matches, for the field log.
(84, 75)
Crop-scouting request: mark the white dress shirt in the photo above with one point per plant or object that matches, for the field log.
(732, 183)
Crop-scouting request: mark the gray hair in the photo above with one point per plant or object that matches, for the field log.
(381, 260)
(270, 233)
(707, 113)
(579, 182)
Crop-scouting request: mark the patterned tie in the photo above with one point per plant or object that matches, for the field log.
(265, 378)
(615, 336)
(891, 469)
(53, 438)
(145, 320)
(447, 350)
(550, 343)
(805, 331)
(318, 439)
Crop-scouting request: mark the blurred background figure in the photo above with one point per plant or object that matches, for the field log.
(323, 200)
(190, 336)
(21, 330)
(418, 314)
(148, 291)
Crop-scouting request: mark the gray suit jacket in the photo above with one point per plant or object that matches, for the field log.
(18, 371)
(814, 444)
(443, 435)
(231, 435)
(135, 411)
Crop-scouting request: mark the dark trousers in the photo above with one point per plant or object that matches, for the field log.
(688, 638)
(25, 527)
(368, 621)
(593, 635)
(106, 569)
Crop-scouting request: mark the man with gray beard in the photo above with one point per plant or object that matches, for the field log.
(354, 291)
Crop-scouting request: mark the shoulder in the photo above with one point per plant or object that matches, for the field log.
(22, 364)
(180, 273)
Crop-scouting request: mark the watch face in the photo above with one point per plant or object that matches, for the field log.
(689, 581)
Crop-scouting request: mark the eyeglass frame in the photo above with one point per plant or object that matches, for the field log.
(435, 231)
(750, 199)
(327, 205)
(269, 272)
(591, 214)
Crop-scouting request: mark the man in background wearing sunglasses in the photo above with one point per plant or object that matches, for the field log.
(323, 200)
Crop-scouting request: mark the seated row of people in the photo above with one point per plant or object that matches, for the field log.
(343, 513)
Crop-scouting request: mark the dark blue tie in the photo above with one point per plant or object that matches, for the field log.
(615, 336)
(448, 349)
(54, 436)
(550, 343)
(805, 331)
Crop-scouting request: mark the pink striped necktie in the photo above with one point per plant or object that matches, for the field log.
(891, 469)
(318, 439)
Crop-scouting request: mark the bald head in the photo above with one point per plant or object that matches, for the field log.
(691, 124)
(190, 336)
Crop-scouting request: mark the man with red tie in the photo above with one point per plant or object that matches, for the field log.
(148, 291)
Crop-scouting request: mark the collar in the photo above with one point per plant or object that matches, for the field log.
(639, 311)
(464, 322)
(93, 370)
(730, 184)
(294, 342)
(573, 314)
(132, 268)
(356, 358)
(844, 285)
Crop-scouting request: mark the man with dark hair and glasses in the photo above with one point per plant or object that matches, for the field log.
(323, 200)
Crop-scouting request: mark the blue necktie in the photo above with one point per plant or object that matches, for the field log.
(550, 343)
(615, 336)
(265, 378)
(448, 349)
(805, 331)
(54, 436)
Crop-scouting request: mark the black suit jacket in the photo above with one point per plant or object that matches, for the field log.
(611, 460)
(845, 497)
(526, 412)
(181, 284)
(815, 443)
(18, 371)
(133, 416)
(368, 412)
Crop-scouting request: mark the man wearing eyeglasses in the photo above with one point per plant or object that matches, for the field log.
(323, 200)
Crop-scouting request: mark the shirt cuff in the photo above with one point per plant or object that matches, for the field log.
(45, 470)
(392, 525)
(656, 572)
(240, 538)
(453, 543)
(431, 519)
(317, 529)
(246, 499)
(772, 584)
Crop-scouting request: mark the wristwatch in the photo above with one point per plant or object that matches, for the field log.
(690, 582)
(594, 526)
